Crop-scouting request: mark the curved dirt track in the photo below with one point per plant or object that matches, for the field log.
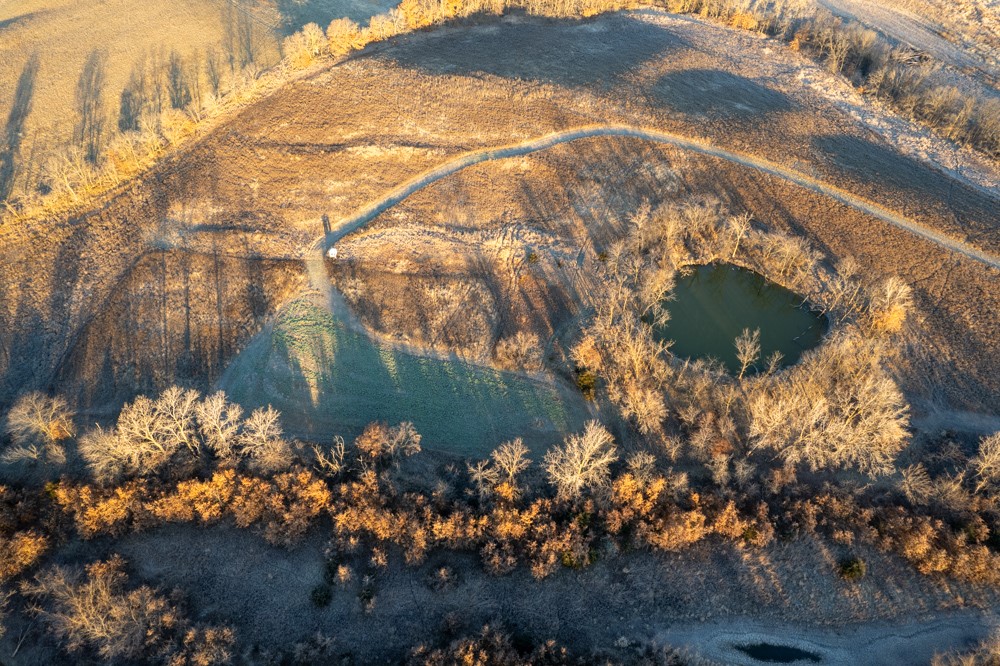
(373, 210)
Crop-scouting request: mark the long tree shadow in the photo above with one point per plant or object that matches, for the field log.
(918, 186)
(717, 94)
(13, 130)
(571, 53)
(89, 130)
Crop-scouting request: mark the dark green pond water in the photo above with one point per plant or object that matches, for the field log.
(715, 302)
(777, 654)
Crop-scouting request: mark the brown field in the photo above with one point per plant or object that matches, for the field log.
(262, 181)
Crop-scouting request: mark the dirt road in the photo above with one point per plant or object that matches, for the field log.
(374, 209)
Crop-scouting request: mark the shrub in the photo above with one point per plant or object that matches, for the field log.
(321, 595)
(586, 381)
(852, 569)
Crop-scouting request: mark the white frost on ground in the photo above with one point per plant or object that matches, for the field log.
(917, 32)
(791, 72)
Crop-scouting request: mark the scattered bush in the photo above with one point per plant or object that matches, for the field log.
(321, 595)
(852, 569)
(95, 610)
(521, 351)
(489, 646)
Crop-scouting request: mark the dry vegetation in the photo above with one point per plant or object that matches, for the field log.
(680, 456)
(166, 96)
(591, 507)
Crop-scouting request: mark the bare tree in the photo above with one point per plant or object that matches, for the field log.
(37, 424)
(332, 462)
(642, 465)
(107, 457)
(96, 610)
(841, 410)
(403, 440)
(986, 465)
(262, 441)
(747, 349)
(738, 226)
(176, 408)
(502, 469)
(890, 305)
(583, 462)
(148, 434)
(219, 425)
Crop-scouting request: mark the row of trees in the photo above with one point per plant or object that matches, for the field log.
(99, 160)
(180, 426)
(151, 434)
(163, 100)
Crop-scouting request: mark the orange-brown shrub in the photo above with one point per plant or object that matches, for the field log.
(19, 552)
(96, 512)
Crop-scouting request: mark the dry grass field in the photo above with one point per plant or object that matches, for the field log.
(262, 182)
(461, 308)
(48, 43)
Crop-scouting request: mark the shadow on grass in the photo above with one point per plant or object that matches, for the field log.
(569, 53)
(718, 94)
(13, 130)
(326, 380)
(928, 189)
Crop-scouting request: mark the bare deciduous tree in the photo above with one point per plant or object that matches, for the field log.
(890, 305)
(219, 425)
(37, 424)
(502, 470)
(747, 349)
(262, 441)
(583, 462)
(840, 411)
(986, 465)
(95, 610)
(738, 226)
(332, 462)
(176, 408)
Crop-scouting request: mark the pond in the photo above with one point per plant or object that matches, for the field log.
(770, 653)
(714, 303)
